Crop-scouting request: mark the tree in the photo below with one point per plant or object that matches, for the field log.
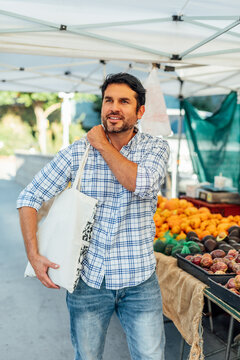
(97, 104)
(43, 105)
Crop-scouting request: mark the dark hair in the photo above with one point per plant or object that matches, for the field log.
(131, 81)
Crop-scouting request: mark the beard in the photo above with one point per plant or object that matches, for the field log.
(113, 129)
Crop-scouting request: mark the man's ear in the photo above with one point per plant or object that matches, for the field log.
(140, 112)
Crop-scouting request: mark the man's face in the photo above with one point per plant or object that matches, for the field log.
(119, 108)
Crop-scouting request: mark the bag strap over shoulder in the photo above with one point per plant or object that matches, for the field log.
(78, 179)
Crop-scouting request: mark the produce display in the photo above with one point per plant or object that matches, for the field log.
(233, 284)
(208, 245)
(227, 290)
(217, 262)
(182, 228)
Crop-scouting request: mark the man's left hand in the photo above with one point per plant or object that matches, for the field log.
(97, 137)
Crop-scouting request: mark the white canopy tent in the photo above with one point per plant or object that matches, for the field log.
(71, 45)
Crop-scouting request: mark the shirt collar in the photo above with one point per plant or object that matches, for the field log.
(126, 148)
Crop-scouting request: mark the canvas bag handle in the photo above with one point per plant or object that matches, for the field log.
(78, 179)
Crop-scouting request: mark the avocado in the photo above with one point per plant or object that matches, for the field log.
(234, 230)
(168, 249)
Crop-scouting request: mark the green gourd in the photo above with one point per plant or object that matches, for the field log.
(159, 246)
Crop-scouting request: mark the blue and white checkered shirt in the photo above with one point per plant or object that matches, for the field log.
(121, 246)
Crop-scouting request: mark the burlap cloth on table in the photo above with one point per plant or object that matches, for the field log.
(183, 300)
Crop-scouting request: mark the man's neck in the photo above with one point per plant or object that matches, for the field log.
(118, 140)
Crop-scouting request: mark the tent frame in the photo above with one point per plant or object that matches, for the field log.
(79, 30)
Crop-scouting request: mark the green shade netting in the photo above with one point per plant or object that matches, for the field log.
(214, 142)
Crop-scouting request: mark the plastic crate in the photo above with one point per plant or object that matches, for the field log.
(223, 293)
(223, 209)
(198, 272)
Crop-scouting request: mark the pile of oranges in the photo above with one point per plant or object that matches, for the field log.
(179, 216)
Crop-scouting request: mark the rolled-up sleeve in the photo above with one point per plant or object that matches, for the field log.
(152, 169)
(48, 182)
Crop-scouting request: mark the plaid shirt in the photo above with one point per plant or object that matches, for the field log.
(121, 246)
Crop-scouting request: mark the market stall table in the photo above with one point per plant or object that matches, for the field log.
(183, 301)
(234, 314)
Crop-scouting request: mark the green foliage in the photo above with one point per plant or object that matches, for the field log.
(28, 99)
(15, 135)
(55, 136)
(18, 129)
(25, 99)
(97, 104)
(47, 99)
(8, 97)
(26, 114)
(22, 104)
(81, 97)
(55, 117)
(76, 132)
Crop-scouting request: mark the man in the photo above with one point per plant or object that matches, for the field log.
(124, 171)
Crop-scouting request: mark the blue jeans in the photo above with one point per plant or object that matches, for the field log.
(139, 309)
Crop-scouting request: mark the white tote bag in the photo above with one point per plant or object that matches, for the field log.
(64, 235)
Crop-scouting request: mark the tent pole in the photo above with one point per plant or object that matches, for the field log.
(65, 116)
(180, 126)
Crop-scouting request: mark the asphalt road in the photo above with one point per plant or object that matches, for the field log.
(34, 321)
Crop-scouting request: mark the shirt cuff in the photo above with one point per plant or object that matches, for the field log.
(143, 182)
(29, 202)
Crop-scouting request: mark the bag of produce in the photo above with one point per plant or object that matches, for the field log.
(170, 243)
(189, 247)
(165, 244)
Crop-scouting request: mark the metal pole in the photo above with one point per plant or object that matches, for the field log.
(230, 334)
(66, 116)
(181, 348)
(210, 315)
(180, 126)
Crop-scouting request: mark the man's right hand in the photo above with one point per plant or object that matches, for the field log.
(40, 265)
